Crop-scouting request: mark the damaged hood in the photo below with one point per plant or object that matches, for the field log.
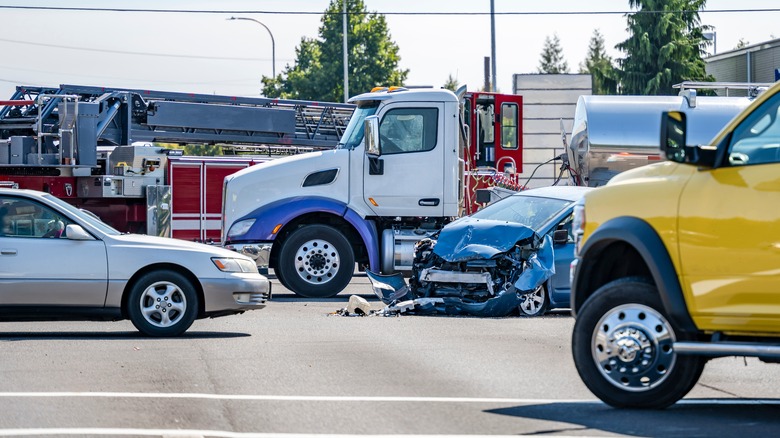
(477, 239)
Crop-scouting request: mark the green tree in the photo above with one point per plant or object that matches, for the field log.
(318, 73)
(452, 84)
(552, 57)
(665, 46)
(599, 65)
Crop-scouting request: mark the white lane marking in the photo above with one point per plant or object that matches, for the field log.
(220, 433)
(316, 398)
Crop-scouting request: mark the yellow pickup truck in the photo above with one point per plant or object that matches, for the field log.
(679, 262)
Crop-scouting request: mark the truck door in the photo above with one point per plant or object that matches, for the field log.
(508, 133)
(408, 178)
(729, 234)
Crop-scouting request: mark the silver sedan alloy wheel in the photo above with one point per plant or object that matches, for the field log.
(317, 261)
(632, 347)
(163, 304)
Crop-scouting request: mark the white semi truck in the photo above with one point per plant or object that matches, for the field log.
(311, 217)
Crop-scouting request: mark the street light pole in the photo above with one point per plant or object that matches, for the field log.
(273, 44)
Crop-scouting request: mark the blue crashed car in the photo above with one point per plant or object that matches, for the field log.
(512, 256)
(548, 211)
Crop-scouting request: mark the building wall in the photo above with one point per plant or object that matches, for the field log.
(732, 66)
(547, 99)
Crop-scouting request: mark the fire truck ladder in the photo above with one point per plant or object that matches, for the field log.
(100, 116)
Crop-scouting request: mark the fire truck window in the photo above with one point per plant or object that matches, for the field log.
(509, 126)
(408, 130)
(486, 155)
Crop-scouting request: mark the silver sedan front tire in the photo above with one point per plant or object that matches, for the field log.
(162, 303)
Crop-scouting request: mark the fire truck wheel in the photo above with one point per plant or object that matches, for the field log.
(162, 303)
(316, 261)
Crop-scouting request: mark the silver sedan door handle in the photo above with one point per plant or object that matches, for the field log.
(7, 251)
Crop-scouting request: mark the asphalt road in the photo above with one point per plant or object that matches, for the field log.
(293, 369)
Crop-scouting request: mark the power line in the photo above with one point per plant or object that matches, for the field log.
(123, 52)
(429, 13)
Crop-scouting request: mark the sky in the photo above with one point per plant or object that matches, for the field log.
(208, 53)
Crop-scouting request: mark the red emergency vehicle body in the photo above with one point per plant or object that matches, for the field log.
(195, 205)
(495, 155)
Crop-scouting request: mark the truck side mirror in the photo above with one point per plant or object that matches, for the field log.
(673, 136)
(673, 142)
(371, 135)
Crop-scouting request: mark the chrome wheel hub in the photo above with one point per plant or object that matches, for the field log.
(317, 261)
(632, 347)
(163, 304)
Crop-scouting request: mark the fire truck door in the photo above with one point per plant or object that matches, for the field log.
(214, 178)
(508, 133)
(186, 186)
(197, 198)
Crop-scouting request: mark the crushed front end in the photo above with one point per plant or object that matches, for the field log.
(472, 267)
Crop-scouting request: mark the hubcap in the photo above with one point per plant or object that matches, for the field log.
(163, 304)
(632, 347)
(317, 261)
(532, 302)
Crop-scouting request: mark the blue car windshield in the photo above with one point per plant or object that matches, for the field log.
(353, 135)
(530, 211)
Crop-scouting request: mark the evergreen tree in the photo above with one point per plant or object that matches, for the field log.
(552, 57)
(452, 84)
(599, 65)
(665, 46)
(318, 73)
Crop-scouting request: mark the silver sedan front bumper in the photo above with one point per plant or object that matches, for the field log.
(235, 293)
(260, 252)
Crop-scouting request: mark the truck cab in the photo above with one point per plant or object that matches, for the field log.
(311, 217)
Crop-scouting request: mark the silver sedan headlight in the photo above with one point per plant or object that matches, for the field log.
(226, 264)
(240, 228)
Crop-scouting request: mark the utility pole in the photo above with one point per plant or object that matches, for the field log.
(493, 41)
(346, 55)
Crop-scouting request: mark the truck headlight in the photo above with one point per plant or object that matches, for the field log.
(226, 264)
(240, 228)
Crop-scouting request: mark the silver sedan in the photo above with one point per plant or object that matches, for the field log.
(61, 263)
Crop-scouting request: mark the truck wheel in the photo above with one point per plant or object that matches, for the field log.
(162, 303)
(316, 261)
(280, 277)
(534, 303)
(622, 348)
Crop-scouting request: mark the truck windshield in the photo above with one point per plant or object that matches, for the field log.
(353, 135)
